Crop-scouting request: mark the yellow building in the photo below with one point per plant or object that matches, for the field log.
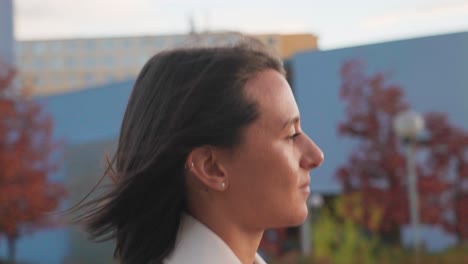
(288, 45)
(55, 66)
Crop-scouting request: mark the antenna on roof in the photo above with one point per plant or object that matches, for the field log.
(191, 22)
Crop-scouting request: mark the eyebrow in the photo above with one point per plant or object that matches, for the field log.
(291, 121)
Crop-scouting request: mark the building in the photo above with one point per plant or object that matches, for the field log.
(431, 72)
(88, 121)
(55, 66)
(288, 45)
(6, 33)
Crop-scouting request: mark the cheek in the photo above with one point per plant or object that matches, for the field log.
(265, 187)
(272, 168)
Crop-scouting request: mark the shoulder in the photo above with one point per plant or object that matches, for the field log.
(197, 244)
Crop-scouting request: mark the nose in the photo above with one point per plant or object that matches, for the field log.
(312, 156)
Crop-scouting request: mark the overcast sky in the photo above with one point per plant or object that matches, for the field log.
(338, 23)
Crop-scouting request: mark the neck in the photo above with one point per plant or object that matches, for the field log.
(242, 241)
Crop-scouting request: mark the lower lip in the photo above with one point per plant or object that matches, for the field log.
(305, 189)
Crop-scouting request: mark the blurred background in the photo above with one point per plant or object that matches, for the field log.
(381, 86)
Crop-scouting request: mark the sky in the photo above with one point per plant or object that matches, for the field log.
(337, 23)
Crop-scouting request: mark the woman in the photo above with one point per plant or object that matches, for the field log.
(210, 154)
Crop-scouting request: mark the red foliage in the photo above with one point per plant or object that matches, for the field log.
(449, 159)
(377, 166)
(28, 154)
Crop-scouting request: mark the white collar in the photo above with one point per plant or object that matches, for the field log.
(197, 244)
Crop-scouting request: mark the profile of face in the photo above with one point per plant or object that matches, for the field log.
(268, 172)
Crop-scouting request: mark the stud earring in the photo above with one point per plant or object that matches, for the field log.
(191, 166)
(223, 186)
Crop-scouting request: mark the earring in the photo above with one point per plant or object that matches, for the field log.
(223, 186)
(191, 166)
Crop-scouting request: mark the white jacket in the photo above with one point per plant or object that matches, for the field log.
(197, 244)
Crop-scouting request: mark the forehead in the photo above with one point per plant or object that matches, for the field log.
(274, 97)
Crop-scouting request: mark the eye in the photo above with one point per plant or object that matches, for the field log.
(292, 137)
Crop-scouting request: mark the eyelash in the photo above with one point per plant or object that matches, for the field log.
(294, 136)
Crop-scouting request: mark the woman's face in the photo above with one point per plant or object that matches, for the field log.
(269, 171)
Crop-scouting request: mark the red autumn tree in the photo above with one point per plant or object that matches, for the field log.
(449, 158)
(28, 154)
(376, 169)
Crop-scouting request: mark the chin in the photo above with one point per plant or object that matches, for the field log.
(301, 216)
(293, 218)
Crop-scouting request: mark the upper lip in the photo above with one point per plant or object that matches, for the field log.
(305, 184)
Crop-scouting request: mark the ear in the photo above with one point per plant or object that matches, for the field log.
(204, 163)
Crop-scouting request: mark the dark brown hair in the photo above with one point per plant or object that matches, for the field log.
(182, 99)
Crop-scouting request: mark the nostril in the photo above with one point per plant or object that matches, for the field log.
(310, 163)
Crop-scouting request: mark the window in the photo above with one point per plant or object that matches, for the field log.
(38, 48)
(233, 39)
(142, 59)
(108, 43)
(210, 40)
(109, 61)
(90, 61)
(55, 46)
(38, 64)
(71, 45)
(70, 62)
(160, 42)
(128, 60)
(125, 43)
(90, 45)
(57, 63)
(178, 41)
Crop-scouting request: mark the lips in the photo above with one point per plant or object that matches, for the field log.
(305, 184)
(305, 187)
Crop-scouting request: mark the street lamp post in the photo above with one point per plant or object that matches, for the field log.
(314, 202)
(408, 125)
(305, 233)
